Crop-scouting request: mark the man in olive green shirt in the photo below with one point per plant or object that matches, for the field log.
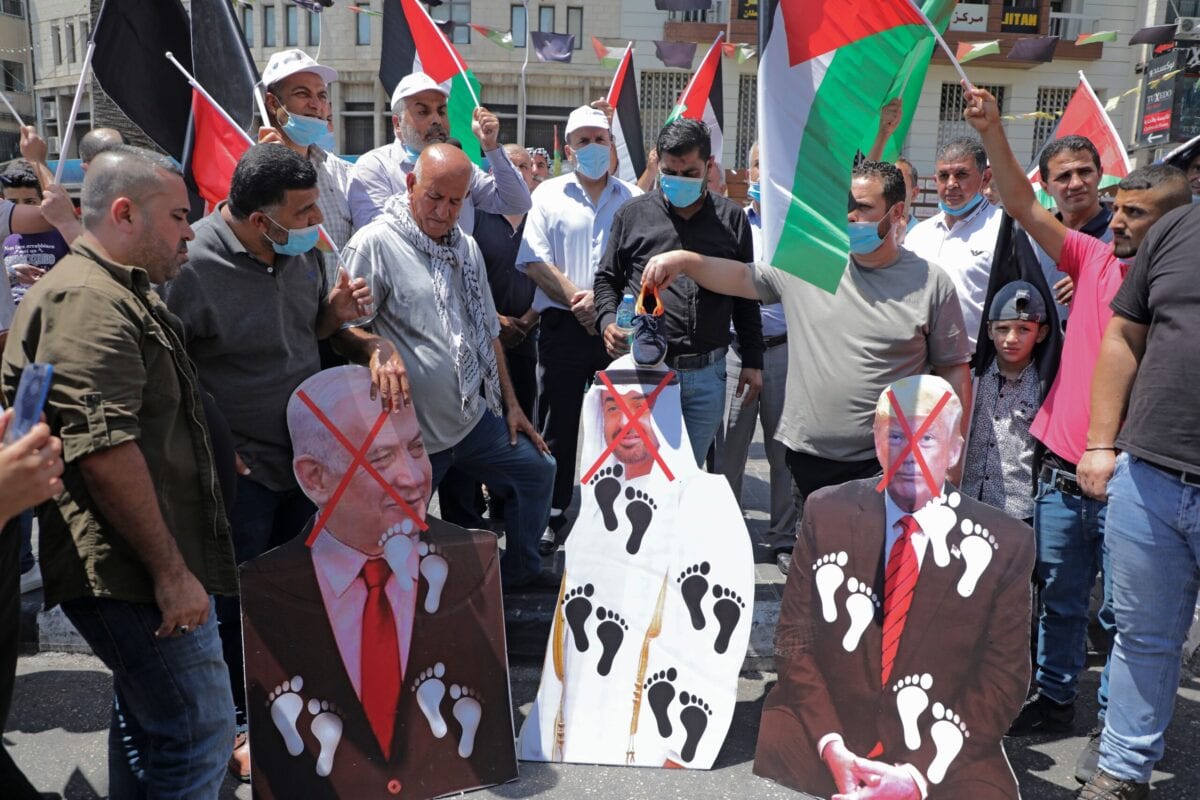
(137, 543)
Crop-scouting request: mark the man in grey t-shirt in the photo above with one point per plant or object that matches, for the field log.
(432, 299)
(893, 315)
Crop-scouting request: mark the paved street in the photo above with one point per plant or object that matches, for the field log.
(58, 726)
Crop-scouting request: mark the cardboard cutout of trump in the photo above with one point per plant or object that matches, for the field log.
(375, 654)
(653, 617)
(903, 639)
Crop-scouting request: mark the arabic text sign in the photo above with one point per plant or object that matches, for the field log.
(969, 17)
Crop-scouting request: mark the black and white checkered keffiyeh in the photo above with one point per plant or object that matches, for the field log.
(474, 358)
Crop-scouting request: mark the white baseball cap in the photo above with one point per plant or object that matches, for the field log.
(586, 117)
(415, 83)
(286, 63)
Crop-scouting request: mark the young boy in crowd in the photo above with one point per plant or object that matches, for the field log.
(999, 465)
(27, 256)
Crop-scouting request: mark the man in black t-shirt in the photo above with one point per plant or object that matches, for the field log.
(1148, 371)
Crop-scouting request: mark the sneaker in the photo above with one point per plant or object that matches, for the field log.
(1040, 714)
(1103, 786)
(649, 336)
(31, 579)
(1089, 760)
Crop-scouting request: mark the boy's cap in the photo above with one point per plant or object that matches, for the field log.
(1018, 300)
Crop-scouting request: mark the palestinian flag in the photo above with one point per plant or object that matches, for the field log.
(627, 120)
(826, 67)
(702, 98)
(610, 57)
(502, 38)
(1098, 36)
(969, 51)
(556, 167)
(217, 146)
(413, 43)
(1085, 116)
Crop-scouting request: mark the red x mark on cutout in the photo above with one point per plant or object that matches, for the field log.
(633, 425)
(360, 455)
(934, 489)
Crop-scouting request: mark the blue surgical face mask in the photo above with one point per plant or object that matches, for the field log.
(864, 236)
(592, 160)
(412, 154)
(754, 192)
(681, 192)
(965, 208)
(299, 241)
(305, 131)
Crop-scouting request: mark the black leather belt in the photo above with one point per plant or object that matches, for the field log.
(1065, 482)
(772, 341)
(697, 360)
(1184, 477)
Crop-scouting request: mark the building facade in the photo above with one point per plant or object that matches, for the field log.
(14, 75)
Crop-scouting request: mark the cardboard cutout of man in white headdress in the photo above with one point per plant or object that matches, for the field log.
(653, 617)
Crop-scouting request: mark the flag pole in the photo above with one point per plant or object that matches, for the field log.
(70, 129)
(12, 110)
(523, 110)
(949, 53)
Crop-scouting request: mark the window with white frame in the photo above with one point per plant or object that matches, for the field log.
(951, 124)
(358, 117)
(1051, 100)
(12, 76)
(362, 30)
(518, 21)
(314, 30)
(660, 89)
(291, 26)
(268, 26)
(248, 24)
(458, 12)
(575, 24)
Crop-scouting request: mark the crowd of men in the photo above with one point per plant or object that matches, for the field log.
(489, 298)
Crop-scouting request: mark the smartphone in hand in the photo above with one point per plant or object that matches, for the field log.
(31, 398)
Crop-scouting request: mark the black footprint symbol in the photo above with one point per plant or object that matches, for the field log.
(577, 608)
(727, 610)
(608, 488)
(694, 718)
(639, 511)
(694, 587)
(610, 632)
(660, 691)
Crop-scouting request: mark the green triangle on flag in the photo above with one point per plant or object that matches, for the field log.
(610, 57)
(969, 51)
(678, 111)
(1098, 36)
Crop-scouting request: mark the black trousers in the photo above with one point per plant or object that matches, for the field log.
(810, 473)
(568, 359)
(12, 781)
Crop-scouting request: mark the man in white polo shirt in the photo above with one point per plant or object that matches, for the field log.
(961, 237)
(419, 118)
(566, 233)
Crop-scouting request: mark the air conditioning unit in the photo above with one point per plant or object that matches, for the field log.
(1187, 29)
(53, 144)
(50, 111)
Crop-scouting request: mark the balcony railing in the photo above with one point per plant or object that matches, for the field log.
(1068, 26)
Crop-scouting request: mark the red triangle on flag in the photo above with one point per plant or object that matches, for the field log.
(217, 146)
(814, 28)
(1085, 116)
(439, 59)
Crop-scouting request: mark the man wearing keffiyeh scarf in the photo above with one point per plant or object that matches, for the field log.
(432, 300)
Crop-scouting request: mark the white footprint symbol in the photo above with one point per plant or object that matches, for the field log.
(947, 734)
(430, 690)
(937, 520)
(976, 548)
(398, 544)
(435, 569)
(828, 577)
(286, 704)
(327, 728)
(468, 711)
(860, 607)
(911, 702)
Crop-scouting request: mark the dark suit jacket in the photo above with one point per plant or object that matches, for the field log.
(975, 648)
(287, 633)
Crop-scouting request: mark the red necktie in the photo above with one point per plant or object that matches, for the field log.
(899, 582)
(379, 655)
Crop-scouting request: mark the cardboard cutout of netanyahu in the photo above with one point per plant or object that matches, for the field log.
(375, 654)
(903, 639)
(653, 617)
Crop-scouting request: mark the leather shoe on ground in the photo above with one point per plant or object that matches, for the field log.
(784, 562)
(1103, 786)
(1089, 760)
(239, 762)
(548, 543)
(1040, 715)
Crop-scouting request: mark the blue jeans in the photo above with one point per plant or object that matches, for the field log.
(261, 519)
(1153, 544)
(522, 474)
(702, 396)
(1070, 551)
(172, 728)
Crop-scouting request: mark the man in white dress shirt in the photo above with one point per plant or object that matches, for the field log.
(420, 118)
(961, 237)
